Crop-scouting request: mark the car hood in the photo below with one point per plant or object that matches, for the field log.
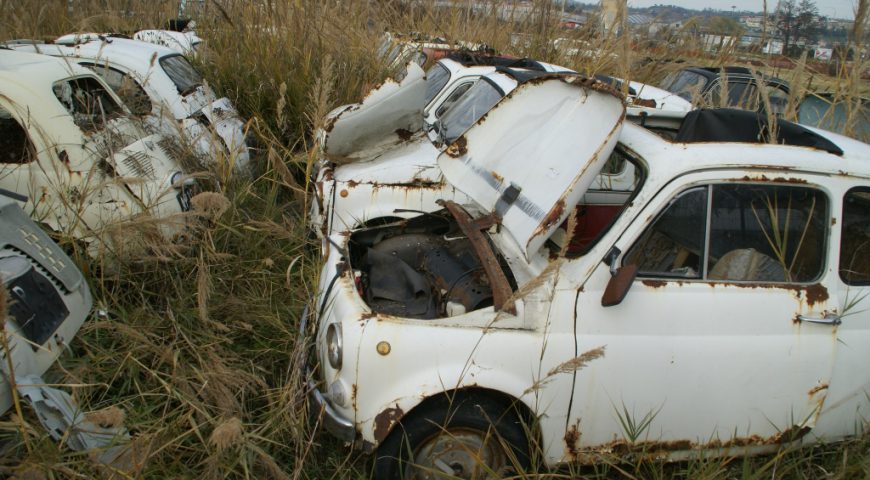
(536, 153)
(389, 114)
(411, 163)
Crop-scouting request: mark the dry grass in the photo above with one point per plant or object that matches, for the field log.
(200, 354)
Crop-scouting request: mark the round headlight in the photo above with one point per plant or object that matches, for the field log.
(180, 180)
(333, 345)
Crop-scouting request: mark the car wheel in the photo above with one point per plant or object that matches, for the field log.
(472, 437)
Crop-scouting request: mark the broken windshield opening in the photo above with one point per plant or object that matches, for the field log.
(88, 101)
(182, 73)
(479, 99)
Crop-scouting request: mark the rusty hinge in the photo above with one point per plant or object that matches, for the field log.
(501, 289)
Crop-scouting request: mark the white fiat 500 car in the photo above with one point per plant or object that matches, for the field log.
(721, 305)
(70, 147)
(159, 85)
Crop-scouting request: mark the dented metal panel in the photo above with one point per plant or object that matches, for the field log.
(537, 151)
(389, 114)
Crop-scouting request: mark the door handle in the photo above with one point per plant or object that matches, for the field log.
(828, 319)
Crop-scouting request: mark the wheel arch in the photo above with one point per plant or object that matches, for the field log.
(386, 421)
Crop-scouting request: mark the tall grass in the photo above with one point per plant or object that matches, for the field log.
(200, 346)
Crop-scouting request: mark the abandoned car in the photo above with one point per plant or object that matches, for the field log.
(84, 165)
(47, 296)
(383, 144)
(160, 86)
(455, 332)
(705, 86)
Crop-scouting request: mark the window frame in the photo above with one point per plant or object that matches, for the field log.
(860, 188)
(709, 184)
(94, 68)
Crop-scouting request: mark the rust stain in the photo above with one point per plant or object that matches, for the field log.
(385, 420)
(817, 389)
(572, 440)
(343, 193)
(655, 283)
(790, 180)
(352, 183)
(458, 148)
(552, 218)
(498, 178)
(816, 294)
(833, 221)
(368, 315)
(353, 393)
(404, 134)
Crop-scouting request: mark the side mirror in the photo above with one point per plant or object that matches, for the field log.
(618, 285)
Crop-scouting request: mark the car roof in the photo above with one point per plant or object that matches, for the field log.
(130, 54)
(37, 72)
(736, 72)
(677, 158)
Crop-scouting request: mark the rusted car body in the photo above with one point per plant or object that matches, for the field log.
(84, 165)
(160, 86)
(475, 289)
(47, 297)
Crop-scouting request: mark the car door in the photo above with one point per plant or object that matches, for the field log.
(722, 339)
(847, 405)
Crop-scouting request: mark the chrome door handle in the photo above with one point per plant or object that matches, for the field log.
(828, 319)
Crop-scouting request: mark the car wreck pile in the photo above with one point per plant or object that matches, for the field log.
(509, 251)
(500, 241)
(101, 135)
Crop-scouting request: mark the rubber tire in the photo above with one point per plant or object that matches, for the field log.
(470, 411)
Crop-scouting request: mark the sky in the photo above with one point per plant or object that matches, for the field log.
(828, 8)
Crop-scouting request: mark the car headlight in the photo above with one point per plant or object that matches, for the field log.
(179, 180)
(333, 345)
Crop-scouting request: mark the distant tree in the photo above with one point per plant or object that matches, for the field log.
(786, 21)
(808, 23)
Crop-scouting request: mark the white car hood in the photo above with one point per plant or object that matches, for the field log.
(389, 114)
(536, 153)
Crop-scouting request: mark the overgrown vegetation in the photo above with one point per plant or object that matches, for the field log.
(200, 348)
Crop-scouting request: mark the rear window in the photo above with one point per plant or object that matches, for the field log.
(182, 73)
(478, 100)
(88, 101)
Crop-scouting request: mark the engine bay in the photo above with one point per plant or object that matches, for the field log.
(423, 268)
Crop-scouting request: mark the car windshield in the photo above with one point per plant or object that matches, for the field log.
(182, 73)
(436, 78)
(684, 84)
(479, 99)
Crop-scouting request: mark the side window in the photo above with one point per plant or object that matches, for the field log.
(131, 93)
(452, 98)
(87, 101)
(15, 146)
(759, 233)
(739, 95)
(855, 237)
(674, 245)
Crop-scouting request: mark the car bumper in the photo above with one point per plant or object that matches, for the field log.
(321, 410)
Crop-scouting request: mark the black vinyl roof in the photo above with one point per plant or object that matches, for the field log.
(744, 126)
(468, 58)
